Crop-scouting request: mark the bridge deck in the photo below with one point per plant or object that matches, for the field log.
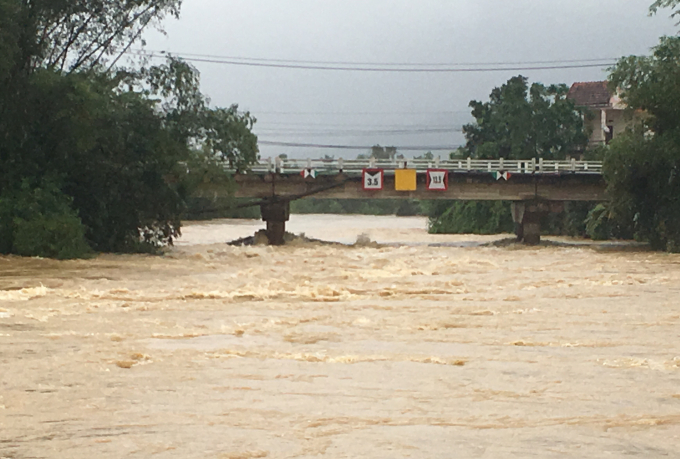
(356, 166)
(473, 180)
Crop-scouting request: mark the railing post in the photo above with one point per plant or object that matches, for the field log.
(469, 163)
(540, 164)
(533, 165)
(278, 162)
(309, 163)
(270, 166)
(501, 163)
(573, 164)
(436, 162)
(371, 162)
(341, 164)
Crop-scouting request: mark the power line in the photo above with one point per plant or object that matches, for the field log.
(385, 69)
(355, 126)
(380, 64)
(351, 147)
(339, 133)
(434, 113)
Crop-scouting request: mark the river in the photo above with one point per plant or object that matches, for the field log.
(422, 347)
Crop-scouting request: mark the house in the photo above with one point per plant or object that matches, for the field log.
(609, 119)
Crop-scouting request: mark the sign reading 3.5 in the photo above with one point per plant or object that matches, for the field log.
(373, 179)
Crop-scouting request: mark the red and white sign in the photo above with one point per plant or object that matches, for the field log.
(373, 179)
(437, 180)
(306, 173)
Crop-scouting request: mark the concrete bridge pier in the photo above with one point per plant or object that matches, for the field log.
(276, 213)
(527, 216)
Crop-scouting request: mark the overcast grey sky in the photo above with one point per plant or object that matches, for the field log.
(365, 108)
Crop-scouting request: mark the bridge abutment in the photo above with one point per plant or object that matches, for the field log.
(275, 214)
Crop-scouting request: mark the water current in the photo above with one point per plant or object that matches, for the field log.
(424, 347)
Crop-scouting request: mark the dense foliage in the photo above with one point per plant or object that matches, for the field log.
(518, 122)
(94, 156)
(472, 217)
(523, 122)
(642, 167)
(665, 4)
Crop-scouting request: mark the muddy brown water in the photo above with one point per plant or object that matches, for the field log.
(328, 351)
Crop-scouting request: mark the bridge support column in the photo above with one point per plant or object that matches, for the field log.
(531, 228)
(527, 216)
(276, 214)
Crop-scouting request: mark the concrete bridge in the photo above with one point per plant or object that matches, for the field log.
(535, 187)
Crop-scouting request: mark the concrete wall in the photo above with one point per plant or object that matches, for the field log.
(618, 118)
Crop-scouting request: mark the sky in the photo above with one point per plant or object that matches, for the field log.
(414, 111)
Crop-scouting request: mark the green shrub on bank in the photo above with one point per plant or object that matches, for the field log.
(472, 217)
(495, 217)
(40, 222)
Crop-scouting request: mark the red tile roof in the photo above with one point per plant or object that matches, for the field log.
(590, 94)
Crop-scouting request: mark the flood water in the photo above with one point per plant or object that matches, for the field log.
(429, 347)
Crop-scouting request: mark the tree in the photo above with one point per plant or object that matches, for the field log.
(379, 152)
(664, 4)
(106, 153)
(518, 122)
(522, 122)
(78, 34)
(642, 167)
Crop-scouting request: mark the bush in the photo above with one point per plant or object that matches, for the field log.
(473, 217)
(39, 221)
(597, 223)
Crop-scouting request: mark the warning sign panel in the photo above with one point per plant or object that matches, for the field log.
(437, 180)
(405, 180)
(373, 179)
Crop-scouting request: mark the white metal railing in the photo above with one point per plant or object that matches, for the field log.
(356, 166)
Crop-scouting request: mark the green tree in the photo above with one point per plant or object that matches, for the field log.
(518, 122)
(522, 122)
(379, 152)
(642, 167)
(114, 148)
(665, 4)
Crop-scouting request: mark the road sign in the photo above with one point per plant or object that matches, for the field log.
(502, 175)
(306, 173)
(373, 179)
(405, 180)
(437, 179)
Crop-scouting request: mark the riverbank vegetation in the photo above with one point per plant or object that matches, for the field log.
(101, 151)
(96, 156)
(520, 121)
(642, 167)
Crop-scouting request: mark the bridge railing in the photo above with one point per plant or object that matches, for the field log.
(356, 166)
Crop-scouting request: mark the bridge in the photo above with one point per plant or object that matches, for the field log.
(535, 187)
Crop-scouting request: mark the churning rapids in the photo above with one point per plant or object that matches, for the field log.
(427, 347)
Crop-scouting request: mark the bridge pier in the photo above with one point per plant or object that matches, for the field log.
(276, 214)
(527, 216)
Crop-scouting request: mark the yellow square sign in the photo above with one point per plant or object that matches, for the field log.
(405, 180)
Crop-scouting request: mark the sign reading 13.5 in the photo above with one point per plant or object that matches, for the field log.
(373, 179)
(437, 179)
